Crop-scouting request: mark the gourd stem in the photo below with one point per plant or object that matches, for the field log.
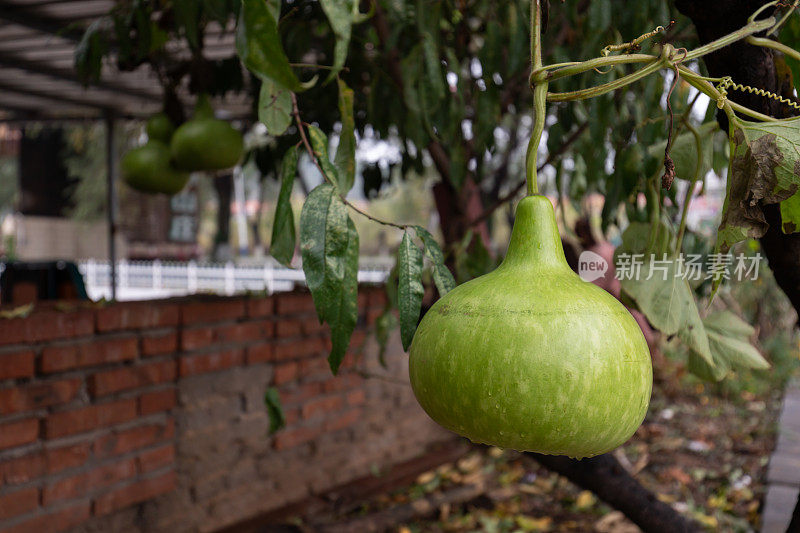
(539, 100)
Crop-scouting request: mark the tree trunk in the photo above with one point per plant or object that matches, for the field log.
(755, 66)
(604, 476)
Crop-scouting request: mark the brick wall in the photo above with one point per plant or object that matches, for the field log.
(150, 416)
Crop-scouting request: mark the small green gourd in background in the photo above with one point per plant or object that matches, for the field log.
(205, 143)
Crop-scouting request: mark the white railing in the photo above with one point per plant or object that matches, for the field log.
(143, 280)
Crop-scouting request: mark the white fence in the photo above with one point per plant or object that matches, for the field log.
(144, 280)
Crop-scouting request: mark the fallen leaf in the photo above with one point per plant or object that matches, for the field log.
(585, 500)
(528, 523)
(425, 478)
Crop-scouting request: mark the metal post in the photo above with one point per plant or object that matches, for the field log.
(111, 201)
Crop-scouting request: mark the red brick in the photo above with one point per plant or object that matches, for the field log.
(159, 344)
(48, 325)
(216, 310)
(128, 440)
(66, 457)
(293, 303)
(298, 348)
(30, 397)
(245, 331)
(291, 415)
(288, 327)
(85, 483)
(132, 377)
(63, 519)
(363, 299)
(312, 326)
(285, 373)
(289, 438)
(18, 433)
(19, 502)
(193, 339)
(198, 364)
(89, 418)
(60, 358)
(260, 353)
(260, 307)
(342, 382)
(156, 459)
(315, 367)
(358, 338)
(17, 364)
(373, 314)
(158, 401)
(18, 470)
(356, 397)
(134, 493)
(137, 315)
(377, 298)
(342, 421)
(321, 405)
(300, 393)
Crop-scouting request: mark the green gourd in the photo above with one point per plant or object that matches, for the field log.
(205, 142)
(160, 128)
(530, 356)
(148, 169)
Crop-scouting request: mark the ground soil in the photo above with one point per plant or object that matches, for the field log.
(700, 450)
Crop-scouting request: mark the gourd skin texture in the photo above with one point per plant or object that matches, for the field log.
(530, 356)
(206, 144)
(160, 128)
(148, 169)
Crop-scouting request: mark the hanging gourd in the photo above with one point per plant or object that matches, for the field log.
(530, 356)
(148, 169)
(205, 142)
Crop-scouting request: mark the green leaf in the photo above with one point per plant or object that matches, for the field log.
(442, 276)
(187, 17)
(384, 325)
(433, 66)
(700, 368)
(790, 214)
(345, 158)
(458, 165)
(89, 53)
(259, 45)
(684, 151)
(329, 245)
(283, 233)
(274, 107)
(729, 337)
(472, 257)
(764, 169)
(319, 143)
(666, 299)
(728, 324)
(341, 14)
(217, 10)
(409, 289)
(277, 420)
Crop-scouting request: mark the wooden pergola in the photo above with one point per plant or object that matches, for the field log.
(38, 81)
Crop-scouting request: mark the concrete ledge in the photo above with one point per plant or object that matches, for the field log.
(783, 476)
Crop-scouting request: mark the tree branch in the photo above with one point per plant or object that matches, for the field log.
(604, 476)
(513, 193)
